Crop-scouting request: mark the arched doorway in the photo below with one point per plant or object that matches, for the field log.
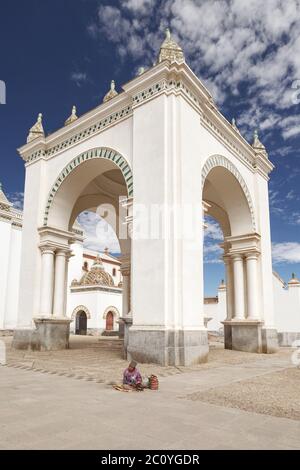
(109, 324)
(81, 323)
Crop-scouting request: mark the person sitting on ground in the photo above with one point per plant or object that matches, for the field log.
(132, 375)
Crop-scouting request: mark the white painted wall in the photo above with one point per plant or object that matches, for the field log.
(10, 259)
(287, 306)
(216, 311)
(97, 302)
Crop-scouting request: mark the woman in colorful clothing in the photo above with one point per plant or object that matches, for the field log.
(132, 375)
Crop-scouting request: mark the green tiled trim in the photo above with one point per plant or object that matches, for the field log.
(105, 153)
(219, 160)
(94, 129)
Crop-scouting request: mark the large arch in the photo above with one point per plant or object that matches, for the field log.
(93, 180)
(215, 161)
(227, 198)
(112, 158)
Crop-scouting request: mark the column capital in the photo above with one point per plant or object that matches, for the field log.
(252, 255)
(125, 271)
(236, 257)
(47, 249)
(227, 259)
(126, 265)
(66, 252)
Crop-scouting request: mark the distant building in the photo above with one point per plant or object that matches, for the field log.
(286, 308)
(94, 299)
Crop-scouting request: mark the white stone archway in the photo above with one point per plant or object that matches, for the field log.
(164, 130)
(227, 198)
(220, 161)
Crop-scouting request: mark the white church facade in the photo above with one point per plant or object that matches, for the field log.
(163, 148)
(94, 296)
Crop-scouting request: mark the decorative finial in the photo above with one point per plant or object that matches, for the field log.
(294, 281)
(258, 146)
(73, 116)
(37, 130)
(112, 92)
(256, 142)
(233, 123)
(141, 70)
(4, 202)
(170, 50)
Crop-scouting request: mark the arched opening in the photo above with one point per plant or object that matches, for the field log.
(109, 324)
(94, 183)
(81, 323)
(231, 239)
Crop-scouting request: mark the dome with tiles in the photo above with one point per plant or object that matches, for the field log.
(96, 276)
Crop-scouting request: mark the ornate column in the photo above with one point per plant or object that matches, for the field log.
(47, 278)
(229, 288)
(60, 283)
(125, 270)
(252, 286)
(239, 294)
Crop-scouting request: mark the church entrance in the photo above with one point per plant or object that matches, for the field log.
(109, 321)
(81, 323)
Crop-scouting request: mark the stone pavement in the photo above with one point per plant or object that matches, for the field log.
(40, 410)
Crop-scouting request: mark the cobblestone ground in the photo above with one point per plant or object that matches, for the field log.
(275, 394)
(266, 384)
(101, 359)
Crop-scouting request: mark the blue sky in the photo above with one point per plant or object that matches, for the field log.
(62, 52)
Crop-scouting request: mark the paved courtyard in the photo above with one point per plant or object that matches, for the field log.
(63, 400)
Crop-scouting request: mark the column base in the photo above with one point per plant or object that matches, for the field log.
(287, 338)
(127, 322)
(167, 347)
(249, 336)
(270, 342)
(50, 334)
(25, 339)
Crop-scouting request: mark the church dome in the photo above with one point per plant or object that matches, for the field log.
(96, 276)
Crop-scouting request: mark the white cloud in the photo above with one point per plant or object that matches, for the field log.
(79, 78)
(286, 252)
(98, 234)
(213, 235)
(235, 42)
(291, 195)
(290, 126)
(17, 199)
(213, 230)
